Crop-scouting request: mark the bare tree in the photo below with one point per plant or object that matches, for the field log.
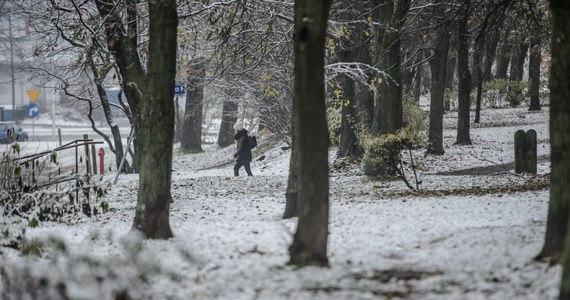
(538, 33)
(438, 66)
(464, 88)
(81, 67)
(352, 47)
(556, 240)
(150, 94)
(388, 98)
(309, 245)
(191, 139)
(249, 55)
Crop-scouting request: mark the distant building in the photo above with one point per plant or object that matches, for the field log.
(16, 47)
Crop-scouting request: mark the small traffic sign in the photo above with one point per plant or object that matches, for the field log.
(33, 94)
(179, 89)
(33, 110)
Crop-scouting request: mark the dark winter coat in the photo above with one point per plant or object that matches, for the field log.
(243, 153)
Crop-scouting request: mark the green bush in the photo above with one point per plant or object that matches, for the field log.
(415, 121)
(383, 156)
(515, 93)
(494, 92)
(497, 93)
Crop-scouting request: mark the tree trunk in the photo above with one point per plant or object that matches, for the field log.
(438, 66)
(192, 123)
(348, 145)
(150, 96)
(557, 224)
(117, 145)
(363, 96)
(382, 11)
(503, 56)
(178, 124)
(450, 72)
(156, 132)
(388, 95)
(133, 75)
(464, 86)
(478, 75)
(534, 69)
(449, 76)
(491, 43)
(517, 69)
(229, 118)
(408, 72)
(291, 195)
(309, 245)
(417, 81)
(517, 63)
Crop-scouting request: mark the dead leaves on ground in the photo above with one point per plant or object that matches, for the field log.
(533, 184)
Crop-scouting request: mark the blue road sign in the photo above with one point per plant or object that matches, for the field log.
(33, 110)
(180, 89)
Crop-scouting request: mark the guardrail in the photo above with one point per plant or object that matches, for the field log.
(13, 184)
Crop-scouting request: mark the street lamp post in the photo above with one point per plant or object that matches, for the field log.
(12, 70)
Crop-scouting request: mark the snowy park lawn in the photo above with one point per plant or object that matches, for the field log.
(462, 236)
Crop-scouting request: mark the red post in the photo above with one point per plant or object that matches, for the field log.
(101, 161)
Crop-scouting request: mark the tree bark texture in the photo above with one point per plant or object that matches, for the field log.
(348, 145)
(503, 56)
(124, 49)
(450, 76)
(388, 92)
(517, 62)
(464, 86)
(417, 80)
(157, 126)
(291, 195)
(491, 43)
(309, 245)
(117, 146)
(150, 96)
(438, 66)
(478, 75)
(450, 72)
(557, 224)
(229, 118)
(517, 70)
(363, 94)
(534, 69)
(192, 123)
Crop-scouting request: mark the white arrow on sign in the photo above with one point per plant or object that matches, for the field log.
(33, 111)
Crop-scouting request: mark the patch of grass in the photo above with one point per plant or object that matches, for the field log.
(31, 247)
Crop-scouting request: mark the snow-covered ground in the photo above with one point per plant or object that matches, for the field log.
(459, 237)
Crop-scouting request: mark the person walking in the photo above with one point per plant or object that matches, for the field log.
(243, 153)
